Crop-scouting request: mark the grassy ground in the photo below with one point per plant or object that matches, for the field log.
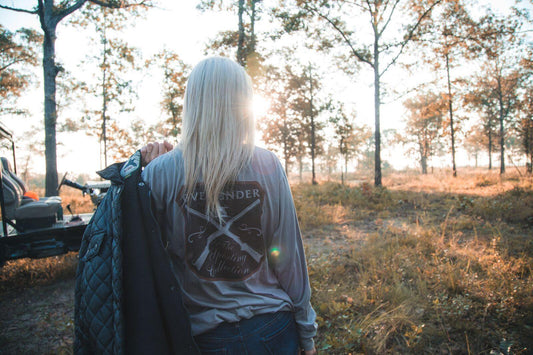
(431, 265)
(427, 265)
(37, 306)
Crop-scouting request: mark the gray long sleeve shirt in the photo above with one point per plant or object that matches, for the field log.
(252, 262)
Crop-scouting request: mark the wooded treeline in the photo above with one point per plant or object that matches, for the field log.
(462, 72)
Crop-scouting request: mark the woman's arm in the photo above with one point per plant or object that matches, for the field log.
(290, 266)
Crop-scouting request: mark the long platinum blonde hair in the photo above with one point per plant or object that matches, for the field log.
(218, 127)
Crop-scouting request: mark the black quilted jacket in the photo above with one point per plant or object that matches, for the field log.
(127, 298)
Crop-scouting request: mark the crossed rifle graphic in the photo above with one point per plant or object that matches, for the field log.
(224, 230)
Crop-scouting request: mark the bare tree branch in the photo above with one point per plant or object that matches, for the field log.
(119, 4)
(14, 61)
(109, 4)
(7, 48)
(410, 36)
(40, 12)
(390, 17)
(354, 51)
(67, 11)
(355, 3)
(372, 13)
(33, 12)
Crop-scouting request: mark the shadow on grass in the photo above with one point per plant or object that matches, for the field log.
(431, 272)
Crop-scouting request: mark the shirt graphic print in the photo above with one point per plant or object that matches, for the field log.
(231, 249)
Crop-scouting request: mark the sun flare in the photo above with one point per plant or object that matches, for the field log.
(260, 106)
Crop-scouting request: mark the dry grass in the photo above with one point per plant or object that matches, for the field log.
(424, 269)
(24, 273)
(478, 182)
(78, 203)
(429, 265)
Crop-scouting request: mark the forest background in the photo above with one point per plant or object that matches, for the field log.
(453, 78)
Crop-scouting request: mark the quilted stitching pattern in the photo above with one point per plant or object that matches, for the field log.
(98, 315)
(116, 218)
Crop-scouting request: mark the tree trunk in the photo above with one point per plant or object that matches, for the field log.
(450, 111)
(50, 111)
(490, 145)
(422, 148)
(502, 147)
(301, 167)
(345, 169)
(527, 146)
(286, 156)
(241, 53)
(251, 46)
(377, 133)
(424, 164)
(342, 172)
(502, 136)
(313, 141)
(104, 93)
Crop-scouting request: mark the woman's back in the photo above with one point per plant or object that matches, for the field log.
(249, 263)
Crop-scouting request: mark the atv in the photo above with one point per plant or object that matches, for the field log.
(34, 227)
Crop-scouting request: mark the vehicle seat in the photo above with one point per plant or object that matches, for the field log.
(27, 212)
(6, 171)
(19, 183)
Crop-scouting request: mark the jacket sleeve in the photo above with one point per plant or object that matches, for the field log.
(97, 315)
(287, 257)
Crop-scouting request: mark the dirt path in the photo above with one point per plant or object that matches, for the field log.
(37, 320)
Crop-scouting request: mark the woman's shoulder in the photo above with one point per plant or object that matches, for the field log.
(265, 162)
(264, 155)
(173, 157)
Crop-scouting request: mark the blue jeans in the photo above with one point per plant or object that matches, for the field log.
(271, 333)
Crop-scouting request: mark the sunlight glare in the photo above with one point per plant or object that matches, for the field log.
(260, 106)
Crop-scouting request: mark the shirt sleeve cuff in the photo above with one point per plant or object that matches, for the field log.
(307, 344)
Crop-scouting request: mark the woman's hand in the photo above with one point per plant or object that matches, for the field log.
(152, 150)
